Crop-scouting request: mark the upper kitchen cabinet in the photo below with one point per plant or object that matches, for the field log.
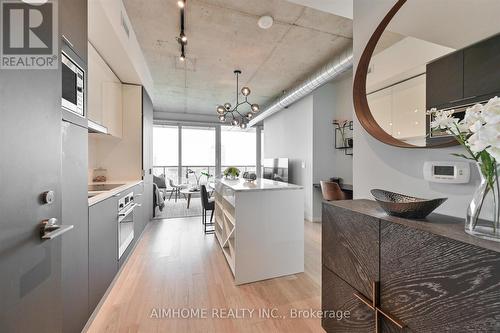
(445, 78)
(105, 97)
(112, 108)
(481, 74)
(73, 14)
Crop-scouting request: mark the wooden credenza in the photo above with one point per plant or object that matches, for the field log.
(431, 275)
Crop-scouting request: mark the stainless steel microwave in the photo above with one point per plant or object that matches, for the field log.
(73, 86)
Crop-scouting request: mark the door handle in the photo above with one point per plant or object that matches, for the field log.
(49, 229)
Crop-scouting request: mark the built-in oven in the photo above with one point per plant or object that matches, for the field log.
(73, 86)
(126, 206)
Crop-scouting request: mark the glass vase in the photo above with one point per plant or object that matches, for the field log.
(483, 214)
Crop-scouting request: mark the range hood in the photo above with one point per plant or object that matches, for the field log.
(97, 128)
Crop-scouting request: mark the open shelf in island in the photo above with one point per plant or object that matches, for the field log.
(260, 228)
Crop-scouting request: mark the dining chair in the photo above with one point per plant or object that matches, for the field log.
(174, 189)
(207, 204)
(331, 191)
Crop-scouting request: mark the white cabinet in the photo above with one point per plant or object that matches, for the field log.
(105, 98)
(112, 108)
(400, 109)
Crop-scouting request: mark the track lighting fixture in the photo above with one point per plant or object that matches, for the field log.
(182, 39)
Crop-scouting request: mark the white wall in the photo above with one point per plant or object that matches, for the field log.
(377, 165)
(333, 101)
(289, 133)
(304, 133)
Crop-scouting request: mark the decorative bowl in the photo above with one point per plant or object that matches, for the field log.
(401, 205)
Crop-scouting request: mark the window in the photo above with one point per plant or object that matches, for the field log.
(198, 152)
(238, 148)
(166, 151)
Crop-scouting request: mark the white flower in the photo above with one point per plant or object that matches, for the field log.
(473, 119)
(443, 120)
(487, 137)
(491, 111)
(494, 152)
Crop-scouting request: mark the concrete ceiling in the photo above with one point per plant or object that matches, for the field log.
(338, 7)
(223, 35)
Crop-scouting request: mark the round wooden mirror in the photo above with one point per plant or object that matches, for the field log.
(427, 54)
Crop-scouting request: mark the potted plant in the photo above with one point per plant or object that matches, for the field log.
(232, 172)
(479, 134)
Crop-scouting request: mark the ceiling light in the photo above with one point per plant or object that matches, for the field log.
(265, 22)
(238, 119)
(245, 91)
(181, 3)
(183, 38)
(182, 57)
(221, 110)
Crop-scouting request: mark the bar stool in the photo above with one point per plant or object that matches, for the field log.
(207, 204)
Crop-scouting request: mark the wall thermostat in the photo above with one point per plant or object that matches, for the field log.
(447, 172)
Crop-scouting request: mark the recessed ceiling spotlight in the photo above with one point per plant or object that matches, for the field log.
(181, 3)
(265, 22)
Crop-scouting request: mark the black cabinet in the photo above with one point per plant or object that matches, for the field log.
(103, 248)
(73, 14)
(445, 78)
(481, 68)
(430, 276)
(435, 284)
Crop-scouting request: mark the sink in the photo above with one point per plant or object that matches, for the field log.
(103, 187)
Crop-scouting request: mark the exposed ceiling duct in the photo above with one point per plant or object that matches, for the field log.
(340, 64)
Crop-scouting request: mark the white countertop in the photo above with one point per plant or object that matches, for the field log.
(260, 184)
(103, 195)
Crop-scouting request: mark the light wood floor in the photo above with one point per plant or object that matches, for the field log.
(175, 266)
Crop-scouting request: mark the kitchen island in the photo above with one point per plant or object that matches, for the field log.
(260, 228)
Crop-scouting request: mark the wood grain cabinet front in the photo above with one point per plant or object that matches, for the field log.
(351, 246)
(435, 284)
(342, 312)
(414, 276)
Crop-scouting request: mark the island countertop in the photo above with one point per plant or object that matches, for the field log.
(260, 184)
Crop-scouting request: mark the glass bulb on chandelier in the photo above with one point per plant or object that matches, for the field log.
(243, 125)
(235, 122)
(249, 115)
(255, 108)
(221, 109)
(227, 106)
(222, 118)
(245, 91)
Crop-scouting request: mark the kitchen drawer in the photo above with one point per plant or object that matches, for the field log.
(351, 246)
(103, 248)
(337, 295)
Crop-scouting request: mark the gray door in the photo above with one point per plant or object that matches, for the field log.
(30, 164)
